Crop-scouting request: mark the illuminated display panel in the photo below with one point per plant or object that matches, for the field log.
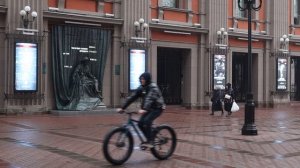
(137, 66)
(281, 74)
(219, 71)
(26, 55)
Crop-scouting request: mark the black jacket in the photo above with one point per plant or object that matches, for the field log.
(217, 96)
(151, 97)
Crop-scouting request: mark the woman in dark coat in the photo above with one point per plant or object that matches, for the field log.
(228, 98)
(216, 101)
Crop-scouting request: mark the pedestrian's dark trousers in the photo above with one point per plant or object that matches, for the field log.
(146, 121)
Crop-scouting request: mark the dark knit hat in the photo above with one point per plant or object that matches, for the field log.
(147, 77)
(228, 85)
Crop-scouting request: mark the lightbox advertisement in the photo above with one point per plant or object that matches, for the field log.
(26, 66)
(281, 74)
(219, 71)
(137, 66)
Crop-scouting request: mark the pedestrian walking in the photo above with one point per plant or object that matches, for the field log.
(216, 101)
(229, 98)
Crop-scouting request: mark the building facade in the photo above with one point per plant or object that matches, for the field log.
(189, 46)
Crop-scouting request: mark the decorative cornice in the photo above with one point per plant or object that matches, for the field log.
(182, 28)
(82, 17)
(245, 35)
(294, 39)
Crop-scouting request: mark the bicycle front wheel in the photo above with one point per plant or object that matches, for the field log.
(118, 146)
(164, 142)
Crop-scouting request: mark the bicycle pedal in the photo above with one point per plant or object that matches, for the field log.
(146, 145)
(143, 148)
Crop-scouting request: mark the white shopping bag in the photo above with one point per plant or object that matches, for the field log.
(227, 96)
(234, 107)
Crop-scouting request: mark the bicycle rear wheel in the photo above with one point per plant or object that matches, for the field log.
(118, 146)
(164, 142)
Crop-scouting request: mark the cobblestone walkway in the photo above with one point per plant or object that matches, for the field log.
(48, 141)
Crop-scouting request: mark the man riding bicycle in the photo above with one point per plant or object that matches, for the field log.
(152, 105)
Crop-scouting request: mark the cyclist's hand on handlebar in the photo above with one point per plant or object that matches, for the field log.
(120, 110)
(141, 111)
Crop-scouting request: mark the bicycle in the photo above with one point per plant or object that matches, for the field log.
(120, 140)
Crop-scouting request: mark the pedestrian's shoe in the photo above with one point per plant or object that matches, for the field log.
(228, 114)
(211, 113)
(222, 112)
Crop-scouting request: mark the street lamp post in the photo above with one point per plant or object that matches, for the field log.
(249, 127)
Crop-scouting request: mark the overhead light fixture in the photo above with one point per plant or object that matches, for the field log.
(197, 24)
(177, 32)
(53, 9)
(140, 27)
(263, 32)
(138, 38)
(231, 28)
(155, 20)
(83, 23)
(109, 15)
(222, 36)
(25, 16)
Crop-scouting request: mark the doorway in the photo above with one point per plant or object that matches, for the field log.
(295, 81)
(169, 74)
(239, 75)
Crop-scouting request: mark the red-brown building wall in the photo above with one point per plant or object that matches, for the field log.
(83, 5)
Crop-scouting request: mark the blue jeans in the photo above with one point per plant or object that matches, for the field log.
(146, 121)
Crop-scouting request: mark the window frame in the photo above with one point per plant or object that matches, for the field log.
(179, 4)
(293, 10)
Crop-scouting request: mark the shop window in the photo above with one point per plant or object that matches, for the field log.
(296, 12)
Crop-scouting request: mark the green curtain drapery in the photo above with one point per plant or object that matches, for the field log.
(70, 45)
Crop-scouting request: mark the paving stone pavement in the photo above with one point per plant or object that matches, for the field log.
(49, 141)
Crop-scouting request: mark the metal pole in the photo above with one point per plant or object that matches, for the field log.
(249, 127)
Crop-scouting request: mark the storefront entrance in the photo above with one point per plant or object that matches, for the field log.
(295, 81)
(239, 75)
(169, 74)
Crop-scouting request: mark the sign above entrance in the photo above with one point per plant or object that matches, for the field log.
(219, 64)
(137, 66)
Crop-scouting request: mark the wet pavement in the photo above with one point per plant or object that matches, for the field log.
(42, 141)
